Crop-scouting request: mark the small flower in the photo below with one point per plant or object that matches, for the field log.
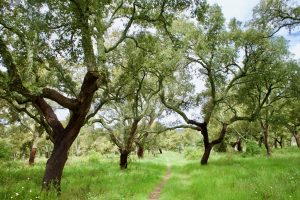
(22, 187)
(30, 190)
(17, 194)
(28, 178)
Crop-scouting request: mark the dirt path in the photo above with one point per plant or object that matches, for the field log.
(155, 194)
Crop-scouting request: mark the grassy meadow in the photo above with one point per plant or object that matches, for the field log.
(227, 176)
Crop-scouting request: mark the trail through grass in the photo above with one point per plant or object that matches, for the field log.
(227, 176)
(234, 177)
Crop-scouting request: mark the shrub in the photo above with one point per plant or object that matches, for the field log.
(222, 147)
(5, 150)
(252, 148)
(94, 157)
(192, 153)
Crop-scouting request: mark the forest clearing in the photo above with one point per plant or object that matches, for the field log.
(149, 99)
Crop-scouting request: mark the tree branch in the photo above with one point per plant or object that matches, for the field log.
(124, 33)
(53, 95)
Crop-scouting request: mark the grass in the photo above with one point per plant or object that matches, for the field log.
(84, 178)
(227, 176)
(231, 176)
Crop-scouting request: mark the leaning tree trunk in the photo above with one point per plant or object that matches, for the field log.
(123, 159)
(206, 154)
(64, 137)
(209, 145)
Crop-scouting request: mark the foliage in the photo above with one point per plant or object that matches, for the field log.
(222, 147)
(192, 153)
(277, 14)
(252, 148)
(5, 150)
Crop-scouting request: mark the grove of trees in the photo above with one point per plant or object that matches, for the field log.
(120, 68)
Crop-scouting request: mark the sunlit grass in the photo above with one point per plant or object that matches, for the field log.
(227, 176)
(234, 177)
(84, 178)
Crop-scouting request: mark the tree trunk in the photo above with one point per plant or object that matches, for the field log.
(206, 154)
(54, 167)
(265, 130)
(33, 148)
(275, 143)
(32, 155)
(297, 138)
(140, 151)
(123, 159)
(281, 142)
(209, 145)
(160, 150)
(239, 145)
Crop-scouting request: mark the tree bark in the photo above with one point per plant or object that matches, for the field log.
(140, 151)
(297, 138)
(281, 142)
(209, 145)
(239, 145)
(206, 154)
(123, 159)
(275, 143)
(54, 168)
(33, 147)
(265, 130)
(32, 156)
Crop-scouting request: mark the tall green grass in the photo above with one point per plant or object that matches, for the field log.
(230, 176)
(84, 178)
(227, 176)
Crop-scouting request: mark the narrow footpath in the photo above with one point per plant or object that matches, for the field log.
(155, 194)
